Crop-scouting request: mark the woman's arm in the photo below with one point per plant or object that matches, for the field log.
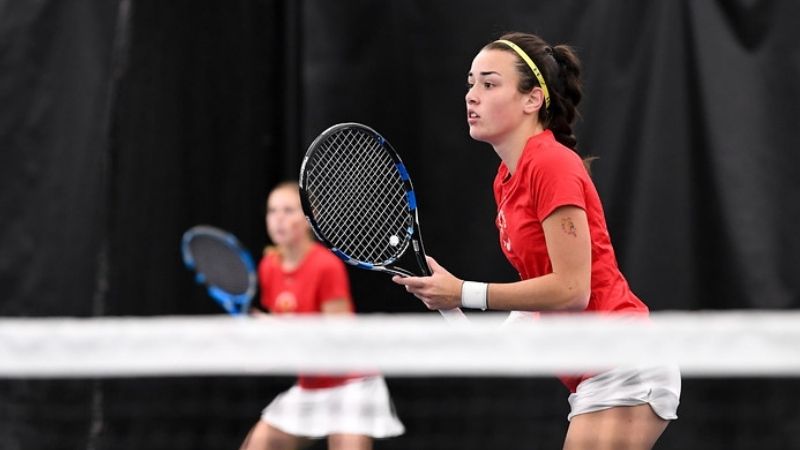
(336, 306)
(568, 287)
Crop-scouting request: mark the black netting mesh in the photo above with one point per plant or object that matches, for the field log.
(461, 413)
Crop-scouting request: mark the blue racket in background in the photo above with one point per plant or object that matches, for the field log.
(221, 264)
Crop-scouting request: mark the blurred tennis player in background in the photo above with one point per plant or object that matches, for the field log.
(300, 276)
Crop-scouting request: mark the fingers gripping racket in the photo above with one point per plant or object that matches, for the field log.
(222, 265)
(359, 200)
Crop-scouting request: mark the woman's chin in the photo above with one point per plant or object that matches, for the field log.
(474, 133)
(478, 136)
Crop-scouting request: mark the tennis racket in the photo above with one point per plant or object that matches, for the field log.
(358, 197)
(222, 265)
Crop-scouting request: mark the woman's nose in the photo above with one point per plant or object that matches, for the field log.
(470, 97)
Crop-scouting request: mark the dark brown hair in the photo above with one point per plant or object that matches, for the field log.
(561, 71)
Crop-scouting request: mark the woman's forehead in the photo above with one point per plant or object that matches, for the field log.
(492, 60)
(284, 195)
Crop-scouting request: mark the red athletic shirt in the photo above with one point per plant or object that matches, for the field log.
(320, 277)
(550, 175)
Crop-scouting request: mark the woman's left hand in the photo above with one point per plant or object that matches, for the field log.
(441, 290)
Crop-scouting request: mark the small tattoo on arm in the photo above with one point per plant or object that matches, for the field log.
(569, 227)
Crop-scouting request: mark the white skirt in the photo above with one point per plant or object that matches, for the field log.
(361, 406)
(659, 387)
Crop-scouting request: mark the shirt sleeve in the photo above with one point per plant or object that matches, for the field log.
(557, 180)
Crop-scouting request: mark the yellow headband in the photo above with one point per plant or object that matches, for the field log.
(533, 67)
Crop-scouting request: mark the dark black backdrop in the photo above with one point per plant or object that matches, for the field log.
(124, 123)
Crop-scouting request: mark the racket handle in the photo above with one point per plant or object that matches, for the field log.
(454, 315)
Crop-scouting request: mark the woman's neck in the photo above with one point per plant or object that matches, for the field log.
(511, 148)
(292, 255)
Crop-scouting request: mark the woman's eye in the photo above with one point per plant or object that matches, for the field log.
(488, 85)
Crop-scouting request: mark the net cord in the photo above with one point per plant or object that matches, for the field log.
(702, 344)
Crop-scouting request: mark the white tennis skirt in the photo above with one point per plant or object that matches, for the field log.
(361, 406)
(659, 387)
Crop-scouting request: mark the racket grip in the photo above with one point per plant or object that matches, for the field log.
(454, 315)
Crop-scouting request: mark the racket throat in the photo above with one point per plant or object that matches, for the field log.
(419, 254)
(411, 263)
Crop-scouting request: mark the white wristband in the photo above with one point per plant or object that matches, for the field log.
(473, 294)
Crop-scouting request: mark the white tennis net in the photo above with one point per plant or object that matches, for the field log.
(737, 343)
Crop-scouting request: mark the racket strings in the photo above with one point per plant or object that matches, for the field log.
(359, 198)
(369, 188)
(373, 191)
(219, 264)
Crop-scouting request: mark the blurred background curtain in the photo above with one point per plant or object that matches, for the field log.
(124, 123)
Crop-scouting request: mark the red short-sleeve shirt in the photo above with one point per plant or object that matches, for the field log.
(320, 277)
(548, 176)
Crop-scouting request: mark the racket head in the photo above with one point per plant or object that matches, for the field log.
(358, 197)
(221, 264)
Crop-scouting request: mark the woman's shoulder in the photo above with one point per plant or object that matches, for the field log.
(323, 256)
(553, 156)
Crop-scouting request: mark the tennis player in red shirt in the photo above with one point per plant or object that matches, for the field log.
(300, 276)
(522, 99)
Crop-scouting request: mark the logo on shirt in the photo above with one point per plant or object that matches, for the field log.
(502, 226)
(285, 302)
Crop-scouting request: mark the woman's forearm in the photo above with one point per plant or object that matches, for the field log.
(552, 292)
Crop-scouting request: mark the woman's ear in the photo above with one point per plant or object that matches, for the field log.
(534, 101)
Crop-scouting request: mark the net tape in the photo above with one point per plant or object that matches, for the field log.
(358, 197)
(702, 344)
